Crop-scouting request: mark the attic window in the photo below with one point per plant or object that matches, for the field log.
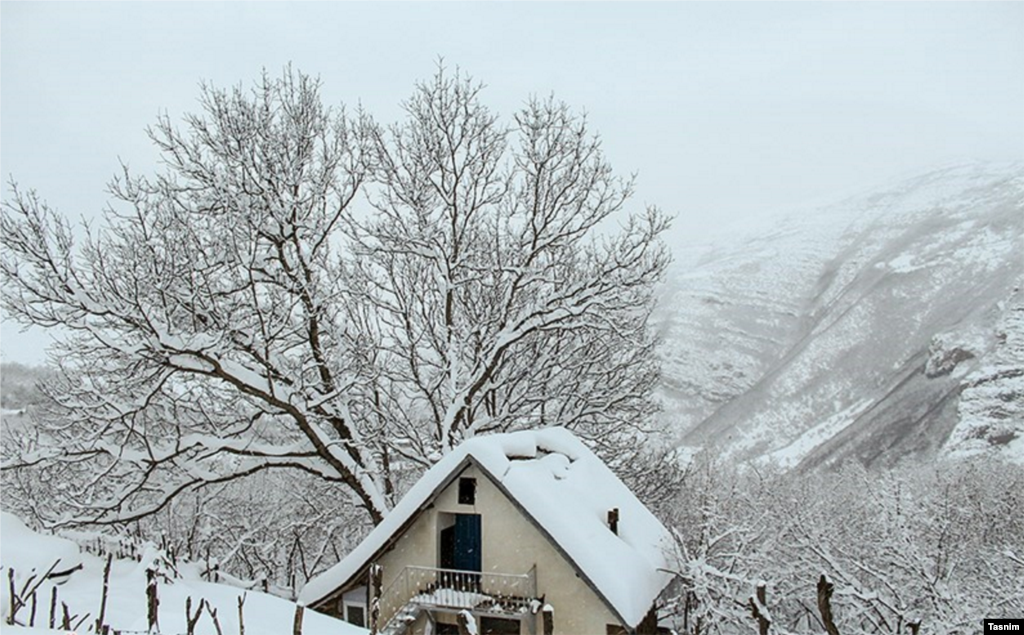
(355, 614)
(467, 491)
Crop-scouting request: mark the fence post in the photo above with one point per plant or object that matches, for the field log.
(13, 597)
(152, 601)
(53, 606)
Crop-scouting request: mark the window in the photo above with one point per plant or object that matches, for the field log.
(467, 491)
(355, 614)
(498, 626)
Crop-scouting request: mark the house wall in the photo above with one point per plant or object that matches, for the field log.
(511, 544)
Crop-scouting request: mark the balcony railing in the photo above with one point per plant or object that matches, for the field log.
(449, 589)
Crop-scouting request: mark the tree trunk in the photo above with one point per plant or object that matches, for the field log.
(759, 609)
(825, 589)
(192, 618)
(297, 626)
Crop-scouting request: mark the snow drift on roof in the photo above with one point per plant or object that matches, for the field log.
(567, 491)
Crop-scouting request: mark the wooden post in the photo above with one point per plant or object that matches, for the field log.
(374, 583)
(613, 520)
(297, 626)
(548, 619)
(13, 597)
(53, 606)
(759, 608)
(825, 589)
(914, 625)
(152, 601)
(103, 598)
(463, 619)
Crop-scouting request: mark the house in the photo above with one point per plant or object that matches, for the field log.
(529, 531)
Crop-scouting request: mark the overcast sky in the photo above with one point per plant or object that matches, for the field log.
(724, 110)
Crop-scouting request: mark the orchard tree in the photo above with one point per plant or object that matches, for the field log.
(301, 288)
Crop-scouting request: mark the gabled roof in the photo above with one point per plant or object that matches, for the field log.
(566, 491)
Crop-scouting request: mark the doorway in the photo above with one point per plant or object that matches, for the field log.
(461, 549)
(461, 543)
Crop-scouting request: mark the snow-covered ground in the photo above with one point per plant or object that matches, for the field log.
(31, 554)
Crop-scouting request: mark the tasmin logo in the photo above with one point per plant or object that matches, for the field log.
(1004, 626)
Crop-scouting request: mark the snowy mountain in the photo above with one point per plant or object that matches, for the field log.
(889, 325)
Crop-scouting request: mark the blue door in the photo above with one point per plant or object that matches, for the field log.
(468, 545)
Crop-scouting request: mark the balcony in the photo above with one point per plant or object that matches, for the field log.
(429, 588)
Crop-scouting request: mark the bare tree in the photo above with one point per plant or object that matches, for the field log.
(850, 551)
(496, 294)
(243, 311)
(206, 335)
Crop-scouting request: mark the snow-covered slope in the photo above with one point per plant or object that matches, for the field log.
(30, 555)
(884, 326)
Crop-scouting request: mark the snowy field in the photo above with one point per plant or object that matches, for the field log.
(30, 554)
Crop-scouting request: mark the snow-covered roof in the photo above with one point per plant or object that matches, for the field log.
(567, 492)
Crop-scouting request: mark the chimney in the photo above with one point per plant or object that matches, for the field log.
(613, 520)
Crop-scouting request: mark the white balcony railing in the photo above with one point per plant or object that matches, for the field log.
(449, 589)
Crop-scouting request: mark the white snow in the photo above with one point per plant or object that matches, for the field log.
(26, 551)
(29, 553)
(792, 454)
(567, 491)
(904, 263)
(470, 622)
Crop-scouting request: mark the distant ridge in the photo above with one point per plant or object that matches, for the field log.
(883, 328)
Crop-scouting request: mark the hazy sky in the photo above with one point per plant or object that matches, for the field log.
(724, 110)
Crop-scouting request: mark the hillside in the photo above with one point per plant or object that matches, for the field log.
(77, 581)
(883, 327)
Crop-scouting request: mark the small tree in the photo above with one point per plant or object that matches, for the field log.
(242, 311)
